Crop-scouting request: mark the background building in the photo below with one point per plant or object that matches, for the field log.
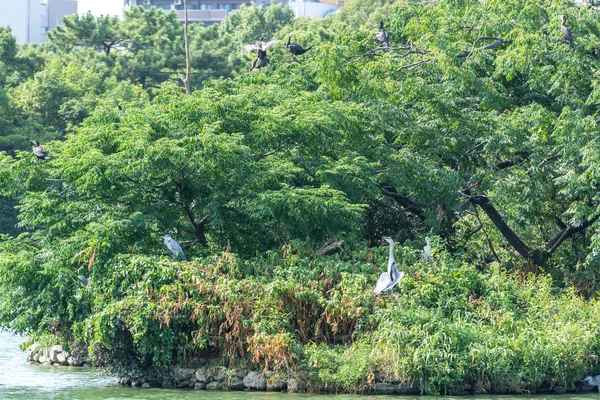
(24, 18)
(53, 11)
(315, 8)
(213, 11)
(101, 7)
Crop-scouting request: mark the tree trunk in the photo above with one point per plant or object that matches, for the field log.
(538, 257)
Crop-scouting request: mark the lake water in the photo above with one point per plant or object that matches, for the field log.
(20, 380)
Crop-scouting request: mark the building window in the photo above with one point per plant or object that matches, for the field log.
(227, 6)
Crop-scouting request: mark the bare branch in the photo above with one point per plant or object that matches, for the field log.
(548, 159)
(497, 43)
(569, 231)
(332, 246)
(404, 201)
(411, 66)
(374, 52)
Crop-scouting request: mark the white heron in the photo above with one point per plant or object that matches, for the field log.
(175, 248)
(427, 250)
(593, 381)
(389, 279)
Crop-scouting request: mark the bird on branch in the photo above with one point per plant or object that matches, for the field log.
(383, 36)
(295, 48)
(261, 47)
(427, 250)
(389, 279)
(174, 247)
(39, 150)
(566, 32)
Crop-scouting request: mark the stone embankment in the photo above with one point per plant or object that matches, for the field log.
(216, 378)
(219, 378)
(56, 355)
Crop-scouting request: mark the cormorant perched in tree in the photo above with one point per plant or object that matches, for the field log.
(261, 60)
(566, 32)
(39, 151)
(389, 279)
(295, 48)
(383, 36)
(175, 248)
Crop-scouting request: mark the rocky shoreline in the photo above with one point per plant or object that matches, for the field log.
(57, 356)
(219, 378)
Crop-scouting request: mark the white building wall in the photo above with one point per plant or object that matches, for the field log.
(311, 9)
(14, 14)
(100, 7)
(35, 20)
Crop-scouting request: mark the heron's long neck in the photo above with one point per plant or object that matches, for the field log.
(391, 260)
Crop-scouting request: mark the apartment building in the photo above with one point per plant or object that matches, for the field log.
(53, 12)
(315, 8)
(24, 17)
(213, 11)
(205, 11)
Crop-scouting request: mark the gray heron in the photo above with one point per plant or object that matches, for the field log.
(39, 150)
(427, 250)
(593, 381)
(383, 36)
(295, 48)
(389, 279)
(566, 32)
(261, 47)
(175, 248)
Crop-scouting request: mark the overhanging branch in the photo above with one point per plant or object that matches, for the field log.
(494, 216)
(405, 201)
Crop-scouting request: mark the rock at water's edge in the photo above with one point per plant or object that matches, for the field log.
(237, 383)
(385, 388)
(213, 386)
(255, 381)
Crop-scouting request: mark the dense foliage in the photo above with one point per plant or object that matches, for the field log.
(492, 149)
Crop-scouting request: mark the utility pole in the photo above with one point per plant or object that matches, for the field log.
(186, 80)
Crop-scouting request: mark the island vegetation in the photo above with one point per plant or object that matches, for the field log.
(475, 124)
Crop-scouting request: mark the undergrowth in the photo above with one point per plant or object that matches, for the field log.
(446, 324)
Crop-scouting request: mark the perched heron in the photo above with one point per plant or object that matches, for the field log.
(593, 381)
(427, 250)
(39, 150)
(566, 32)
(389, 279)
(175, 248)
(261, 47)
(383, 36)
(295, 48)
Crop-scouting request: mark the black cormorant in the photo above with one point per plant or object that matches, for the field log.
(566, 32)
(261, 60)
(295, 48)
(39, 151)
(383, 36)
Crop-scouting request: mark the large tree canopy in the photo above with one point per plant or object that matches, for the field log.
(478, 125)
